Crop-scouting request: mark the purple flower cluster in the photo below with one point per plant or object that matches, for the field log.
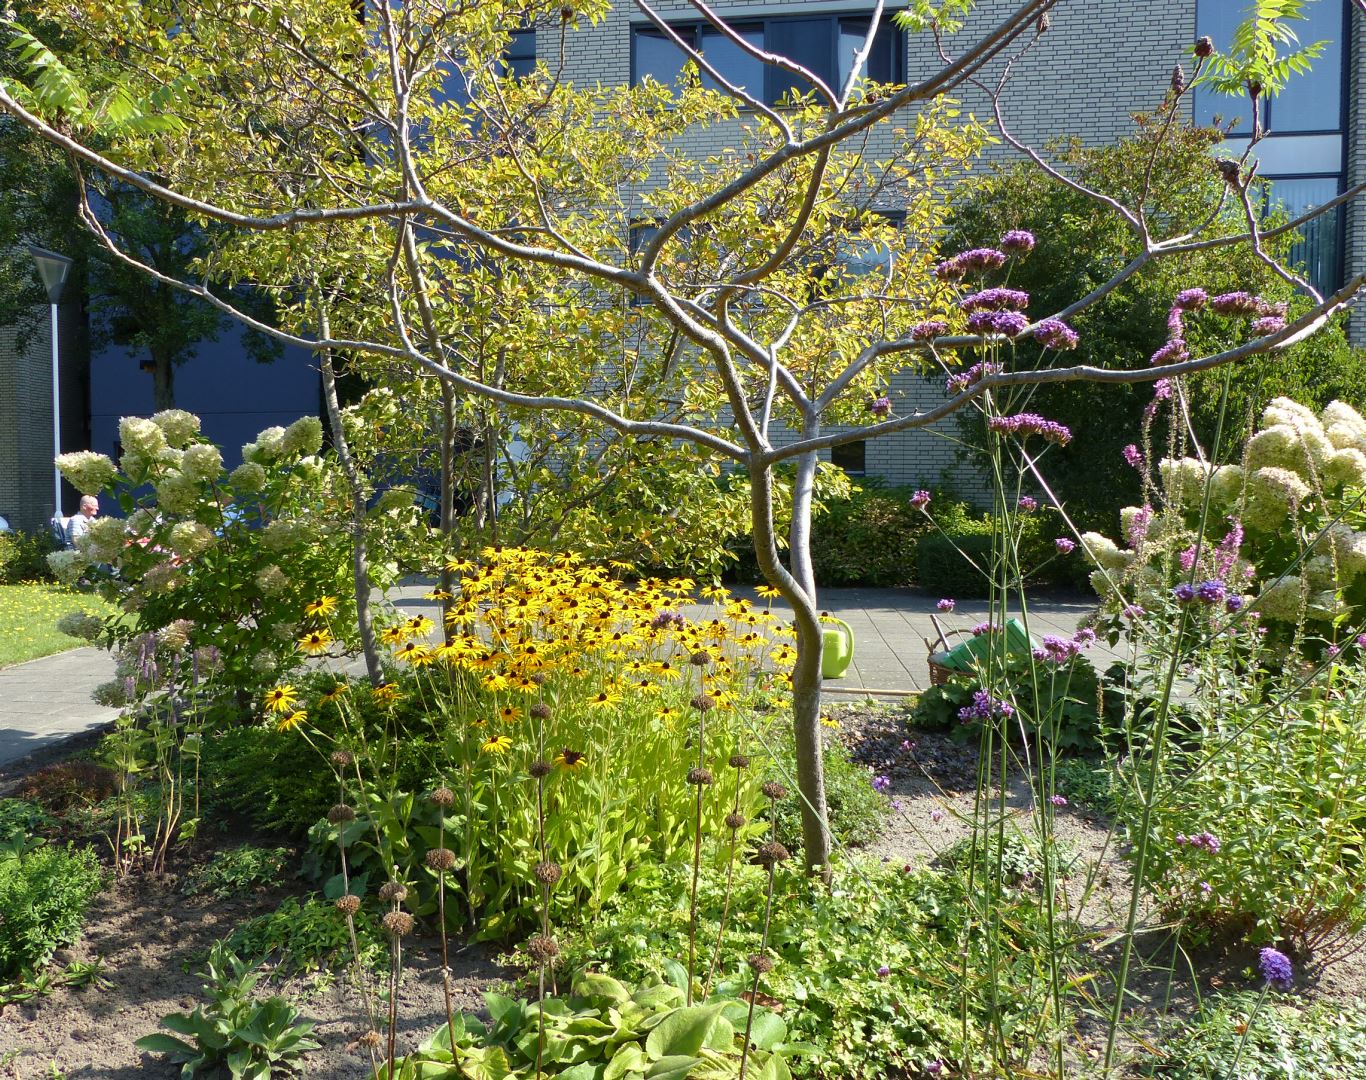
(1056, 650)
(1085, 637)
(983, 628)
(1056, 334)
(1007, 323)
(1172, 351)
(1234, 604)
(1184, 593)
(1057, 800)
(1205, 841)
(1063, 546)
(882, 784)
(1276, 968)
(945, 605)
(1187, 558)
(967, 262)
(880, 407)
(1027, 504)
(997, 299)
(1229, 547)
(920, 499)
(668, 620)
(1236, 303)
(960, 381)
(1268, 324)
(1211, 592)
(1023, 425)
(1191, 299)
(984, 707)
(1133, 612)
(1017, 240)
(1133, 456)
(930, 328)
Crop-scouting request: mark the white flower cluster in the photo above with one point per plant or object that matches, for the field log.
(189, 538)
(272, 580)
(267, 447)
(103, 541)
(202, 462)
(1103, 551)
(177, 493)
(89, 472)
(175, 637)
(67, 566)
(177, 425)
(248, 478)
(303, 437)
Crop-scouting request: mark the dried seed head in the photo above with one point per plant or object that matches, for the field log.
(340, 814)
(393, 892)
(1178, 79)
(774, 790)
(1044, 22)
(735, 821)
(540, 711)
(348, 904)
(770, 853)
(440, 859)
(547, 873)
(1229, 170)
(538, 677)
(739, 761)
(760, 964)
(703, 702)
(543, 949)
(701, 658)
(699, 777)
(398, 923)
(539, 768)
(341, 758)
(369, 1041)
(442, 797)
(1204, 47)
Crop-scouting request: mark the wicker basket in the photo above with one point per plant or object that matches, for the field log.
(939, 674)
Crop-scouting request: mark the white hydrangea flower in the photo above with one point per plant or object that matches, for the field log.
(1320, 571)
(1281, 599)
(175, 637)
(1103, 551)
(268, 445)
(1347, 437)
(1183, 479)
(1284, 410)
(163, 577)
(1339, 412)
(189, 538)
(248, 477)
(304, 436)
(309, 468)
(169, 457)
(272, 580)
(178, 425)
(1101, 583)
(1324, 606)
(139, 435)
(1226, 485)
(104, 539)
(89, 472)
(177, 493)
(1278, 447)
(1345, 468)
(280, 534)
(1349, 549)
(67, 566)
(202, 462)
(1133, 524)
(263, 663)
(1278, 488)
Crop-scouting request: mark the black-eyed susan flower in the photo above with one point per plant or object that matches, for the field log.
(603, 699)
(440, 594)
(289, 721)
(335, 693)
(494, 682)
(315, 642)
(394, 635)
(385, 693)
(495, 744)
(509, 714)
(419, 626)
(570, 759)
(324, 605)
(413, 653)
(281, 699)
(768, 592)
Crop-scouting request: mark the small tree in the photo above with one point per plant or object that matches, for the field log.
(344, 177)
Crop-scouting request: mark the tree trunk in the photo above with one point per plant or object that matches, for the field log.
(163, 382)
(360, 560)
(447, 522)
(806, 675)
(799, 533)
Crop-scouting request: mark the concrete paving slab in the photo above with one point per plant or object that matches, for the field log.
(45, 701)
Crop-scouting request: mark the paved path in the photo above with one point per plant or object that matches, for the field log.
(45, 701)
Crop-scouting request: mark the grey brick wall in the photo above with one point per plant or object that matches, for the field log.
(26, 426)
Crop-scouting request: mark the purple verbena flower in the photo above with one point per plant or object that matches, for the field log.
(930, 328)
(883, 971)
(880, 407)
(1184, 593)
(1361, 640)
(984, 707)
(982, 628)
(1057, 650)
(936, 815)
(1268, 324)
(1027, 504)
(1276, 968)
(1133, 612)
(1026, 424)
(1175, 327)
(1085, 637)
(882, 784)
(920, 499)
(1191, 299)
(1236, 303)
(1172, 352)
(1063, 546)
(961, 380)
(1006, 323)
(1056, 334)
(997, 299)
(946, 604)
(1057, 800)
(1234, 604)
(1017, 241)
(1211, 592)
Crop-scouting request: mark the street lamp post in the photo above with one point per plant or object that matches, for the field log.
(53, 269)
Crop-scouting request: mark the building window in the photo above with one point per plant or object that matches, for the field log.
(826, 45)
(1320, 247)
(850, 457)
(520, 57)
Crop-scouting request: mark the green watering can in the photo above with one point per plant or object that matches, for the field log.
(837, 648)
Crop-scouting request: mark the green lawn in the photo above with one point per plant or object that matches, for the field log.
(28, 617)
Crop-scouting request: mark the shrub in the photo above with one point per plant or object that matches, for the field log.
(869, 538)
(69, 783)
(1242, 1035)
(855, 811)
(23, 557)
(306, 935)
(1258, 824)
(956, 561)
(22, 820)
(44, 892)
(257, 773)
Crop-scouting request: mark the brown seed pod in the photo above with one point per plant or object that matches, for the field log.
(440, 859)
(540, 711)
(701, 658)
(398, 923)
(442, 797)
(699, 777)
(759, 963)
(736, 821)
(369, 1041)
(774, 790)
(703, 702)
(1204, 47)
(547, 873)
(341, 758)
(348, 904)
(543, 948)
(770, 853)
(393, 892)
(340, 814)
(739, 761)
(539, 768)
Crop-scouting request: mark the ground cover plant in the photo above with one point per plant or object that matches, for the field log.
(44, 891)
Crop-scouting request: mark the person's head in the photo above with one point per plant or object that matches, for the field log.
(90, 506)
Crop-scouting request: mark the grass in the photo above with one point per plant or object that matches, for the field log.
(28, 620)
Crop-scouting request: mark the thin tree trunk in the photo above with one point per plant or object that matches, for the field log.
(799, 533)
(806, 675)
(447, 522)
(163, 382)
(360, 560)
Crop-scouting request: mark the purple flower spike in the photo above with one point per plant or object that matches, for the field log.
(1006, 323)
(1056, 334)
(995, 300)
(1017, 241)
(1173, 352)
(946, 605)
(1184, 593)
(1063, 546)
(1236, 303)
(1276, 968)
(1191, 299)
(920, 500)
(1133, 456)
(961, 380)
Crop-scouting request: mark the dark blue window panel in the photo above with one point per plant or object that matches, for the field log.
(732, 62)
(1319, 250)
(1313, 101)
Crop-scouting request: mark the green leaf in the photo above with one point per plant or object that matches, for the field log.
(768, 1029)
(683, 1032)
(165, 1044)
(628, 1058)
(672, 1068)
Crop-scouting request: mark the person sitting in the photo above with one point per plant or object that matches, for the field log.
(80, 522)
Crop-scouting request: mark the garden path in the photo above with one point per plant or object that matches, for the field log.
(44, 702)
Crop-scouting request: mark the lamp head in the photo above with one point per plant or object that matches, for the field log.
(53, 269)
